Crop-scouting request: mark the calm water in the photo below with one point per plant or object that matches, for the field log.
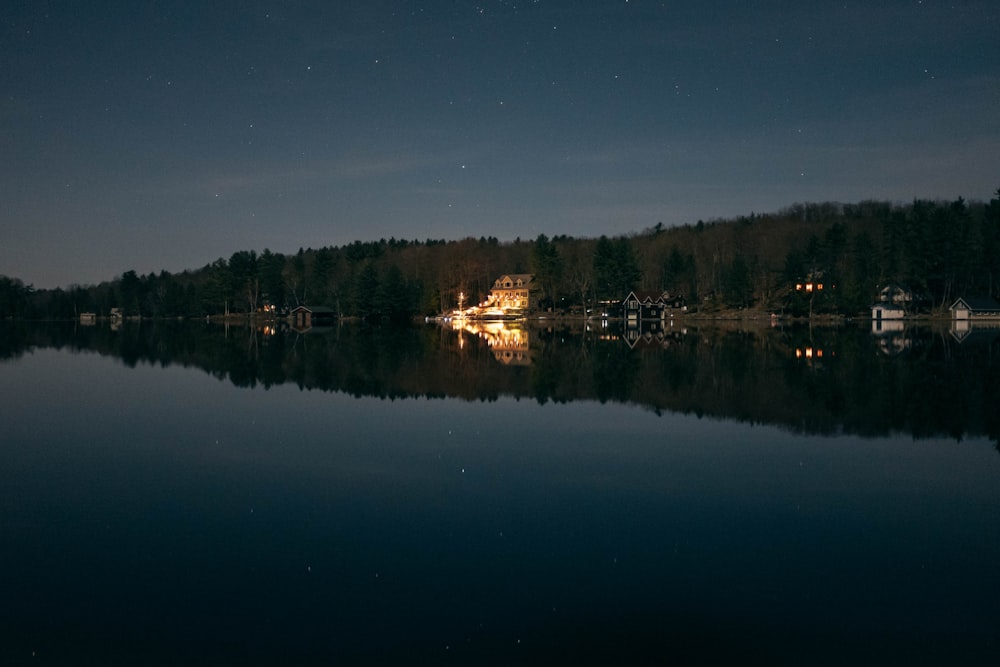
(158, 513)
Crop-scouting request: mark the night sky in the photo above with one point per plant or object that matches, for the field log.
(155, 135)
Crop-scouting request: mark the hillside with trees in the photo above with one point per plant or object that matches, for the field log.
(937, 250)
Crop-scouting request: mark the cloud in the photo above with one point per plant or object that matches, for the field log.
(224, 179)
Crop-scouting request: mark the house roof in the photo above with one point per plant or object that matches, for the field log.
(525, 279)
(314, 309)
(645, 296)
(977, 303)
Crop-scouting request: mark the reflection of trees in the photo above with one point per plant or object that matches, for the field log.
(810, 380)
(615, 373)
(546, 372)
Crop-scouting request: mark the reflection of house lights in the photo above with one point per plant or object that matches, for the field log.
(500, 339)
(808, 353)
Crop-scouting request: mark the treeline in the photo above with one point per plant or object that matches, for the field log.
(936, 250)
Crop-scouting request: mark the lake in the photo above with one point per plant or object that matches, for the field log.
(198, 494)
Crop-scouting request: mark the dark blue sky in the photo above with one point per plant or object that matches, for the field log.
(164, 134)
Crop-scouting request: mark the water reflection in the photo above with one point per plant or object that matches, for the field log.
(150, 514)
(920, 381)
(962, 329)
(508, 341)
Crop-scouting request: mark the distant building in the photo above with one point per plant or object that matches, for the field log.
(896, 294)
(811, 284)
(887, 319)
(88, 318)
(674, 302)
(887, 311)
(975, 308)
(305, 317)
(644, 305)
(648, 305)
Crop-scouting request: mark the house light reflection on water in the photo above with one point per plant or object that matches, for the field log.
(508, 344)
(811, 353)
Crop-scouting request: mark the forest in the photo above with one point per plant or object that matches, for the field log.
(936, 250)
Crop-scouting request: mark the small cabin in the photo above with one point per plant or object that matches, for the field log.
(887, 311)
(305, 317)
(975, 308)
(896, 294)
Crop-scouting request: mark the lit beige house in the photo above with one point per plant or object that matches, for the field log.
(510, 293)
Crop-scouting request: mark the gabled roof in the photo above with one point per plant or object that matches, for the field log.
(314, 309)
(644, 296)
(979, 304)
(525, 279)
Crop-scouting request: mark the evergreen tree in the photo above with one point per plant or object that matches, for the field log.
(365, 302)
(616, 269)
(129, 292)
(14, 298)
(546, 267)
(393, 300)
(628, 275)
(738, 284)
(272, 280)
(244, 273)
